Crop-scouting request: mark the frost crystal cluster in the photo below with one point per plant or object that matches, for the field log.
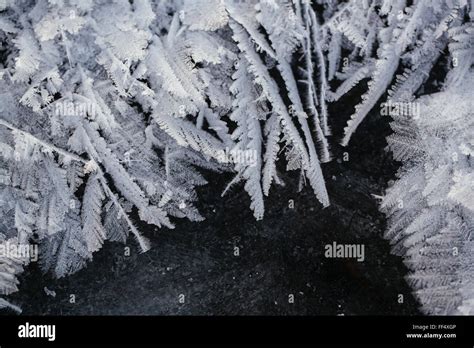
(110, 110)
(431, 205)
(396, 46)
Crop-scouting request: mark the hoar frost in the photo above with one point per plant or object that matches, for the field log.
(109, 108)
